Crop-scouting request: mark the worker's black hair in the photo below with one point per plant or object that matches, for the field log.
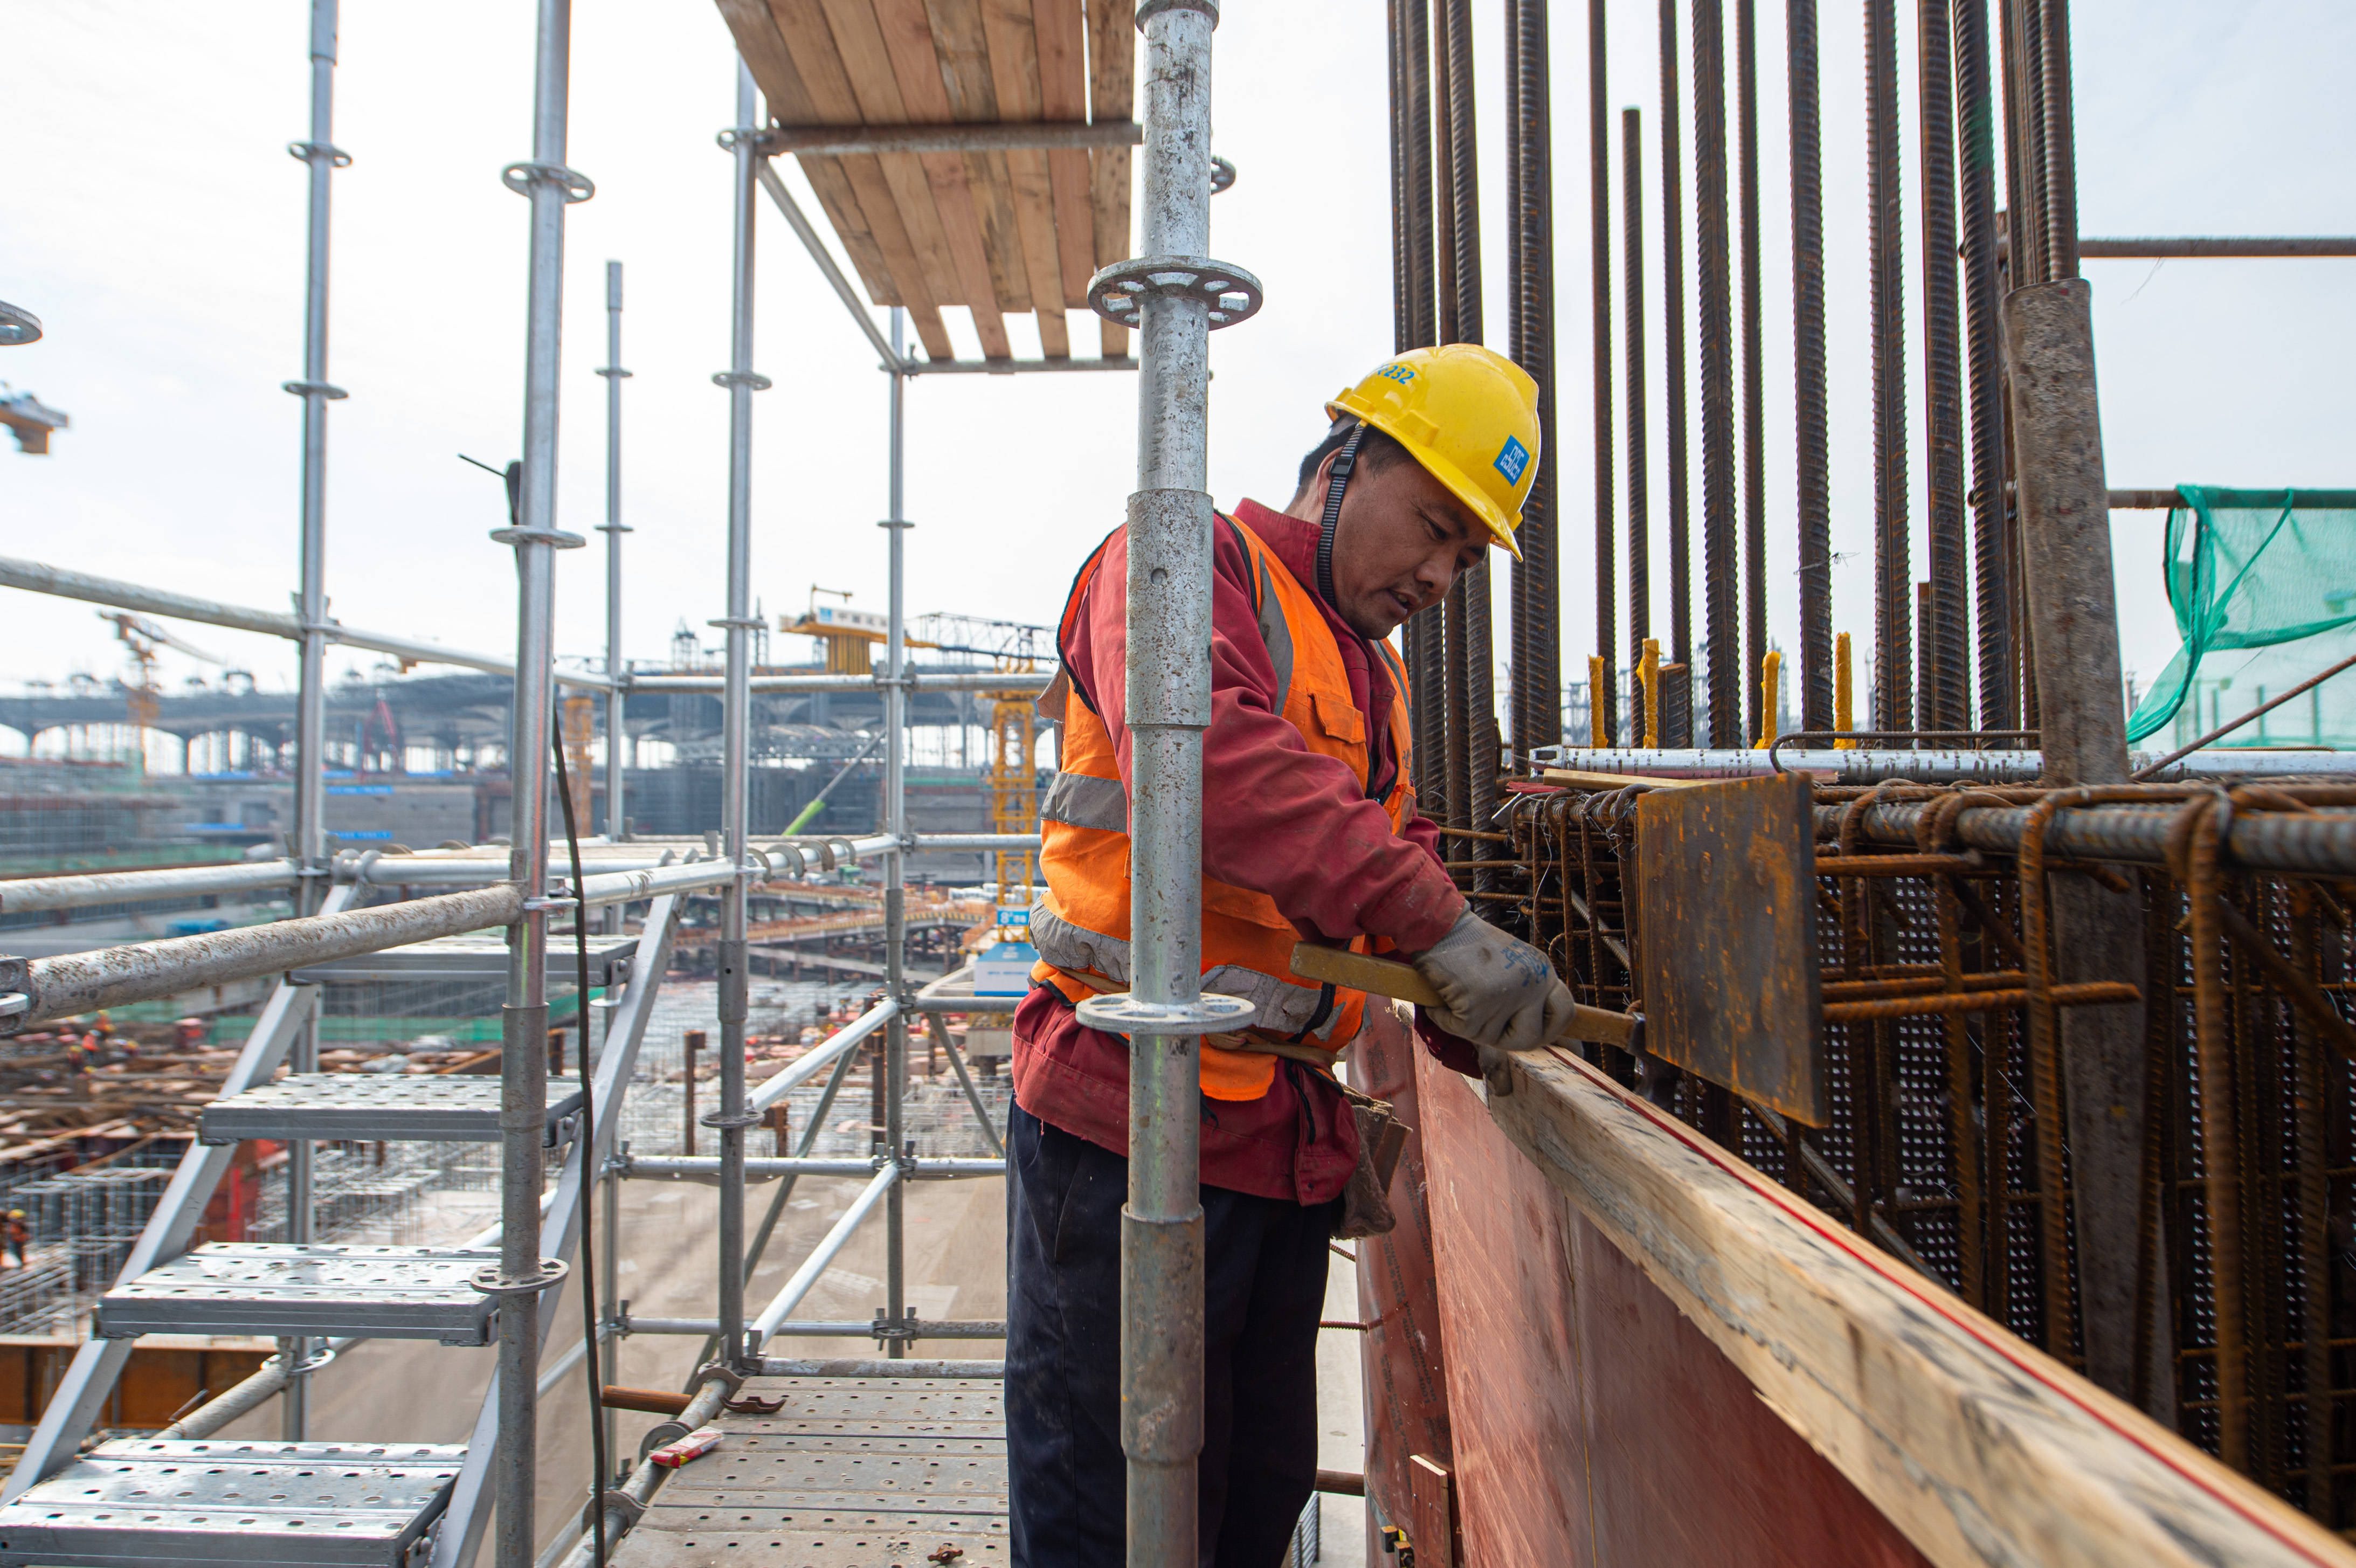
(1376, 451)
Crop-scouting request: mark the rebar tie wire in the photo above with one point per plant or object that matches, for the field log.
(588, 1135)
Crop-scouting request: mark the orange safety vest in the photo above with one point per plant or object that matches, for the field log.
(1081, 926)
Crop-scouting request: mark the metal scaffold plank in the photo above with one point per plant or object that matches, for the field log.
(849, 1471)
(363, 1106)
(141, 1501)
(282, 1288)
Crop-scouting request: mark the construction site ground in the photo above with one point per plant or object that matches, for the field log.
(421, 1392)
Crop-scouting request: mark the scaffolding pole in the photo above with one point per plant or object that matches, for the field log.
(321, 158)
(736, 721)
(618, 734)
(1168, 696)
(519, 1276)
(896, 881)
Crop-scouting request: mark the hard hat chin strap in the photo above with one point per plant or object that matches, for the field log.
(1344, 461)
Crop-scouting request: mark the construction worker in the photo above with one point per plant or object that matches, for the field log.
(1309, 832)
(15, 1234)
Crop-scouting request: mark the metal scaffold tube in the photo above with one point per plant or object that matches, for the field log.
(320, 155)
(733, 1117)
(1812, 457)
(894, 1066)
(1167, 690)
(617, 736)
(519, 1277)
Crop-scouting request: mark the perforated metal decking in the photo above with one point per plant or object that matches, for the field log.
(849, 1473)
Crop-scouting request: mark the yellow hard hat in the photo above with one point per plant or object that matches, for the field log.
(1469, 415)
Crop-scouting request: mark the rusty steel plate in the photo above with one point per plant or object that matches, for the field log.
(1726, 906)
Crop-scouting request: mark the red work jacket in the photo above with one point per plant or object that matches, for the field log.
(1278, 819)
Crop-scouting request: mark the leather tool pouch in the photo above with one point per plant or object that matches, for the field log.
(1382, 1138)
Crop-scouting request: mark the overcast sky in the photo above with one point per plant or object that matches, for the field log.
(154, 220)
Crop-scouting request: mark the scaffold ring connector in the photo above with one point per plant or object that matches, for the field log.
(304, 152)
(1223, 174)
(555, 537)
(521, 178)
(1119, 293)
(1124, 1014)
(492, 1279)
(753, 379)
(328, 389)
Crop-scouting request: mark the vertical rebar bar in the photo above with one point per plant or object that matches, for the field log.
(731, 1117)
(2060, 149)
(320, 159)
(1976, 134)
(1402, 284)
(1599, 223)
(1426, 637)
(1721, 564)
(1537, 632)
(1632, 240)
(1754, 368)
(1893, 662)
(1812, 459)
(1167, 690)
(1677, 726)
(617, 729)
(1945, 645)
(894, 1065)
(2024, 100)
(1472, 726)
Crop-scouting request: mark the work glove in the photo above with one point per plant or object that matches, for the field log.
(1495, 990)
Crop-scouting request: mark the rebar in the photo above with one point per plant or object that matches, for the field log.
(2059, 150)
(1721, 558)
(1975, 136)
(1677, 726)
(1604, 698)
(1894, 661)
(1754, 370)
(1538, 639)
(1631, 230)
(1945, 642)
(1812, 459)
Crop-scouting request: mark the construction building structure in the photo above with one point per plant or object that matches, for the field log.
(1995, 1214)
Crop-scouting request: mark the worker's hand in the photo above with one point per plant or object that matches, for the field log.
(1495, 990)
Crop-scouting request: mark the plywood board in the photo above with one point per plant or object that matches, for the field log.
(1972, 1444)
(1112, 79)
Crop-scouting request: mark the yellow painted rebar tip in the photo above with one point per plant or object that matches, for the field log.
(1598, 735)
(1771, 692)
(1648, 672)
(1842, 712)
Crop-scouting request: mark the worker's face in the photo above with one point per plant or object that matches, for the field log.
(1401, 539)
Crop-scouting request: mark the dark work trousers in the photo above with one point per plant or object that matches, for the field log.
(1264, 1284)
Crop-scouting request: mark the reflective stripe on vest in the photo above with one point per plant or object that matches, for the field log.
(1082, 926)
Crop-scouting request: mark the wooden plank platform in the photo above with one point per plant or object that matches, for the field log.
(850, 1473)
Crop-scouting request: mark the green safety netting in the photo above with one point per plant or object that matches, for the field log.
(2263, 584)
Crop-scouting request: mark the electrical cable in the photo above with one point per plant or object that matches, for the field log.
(589, 1358)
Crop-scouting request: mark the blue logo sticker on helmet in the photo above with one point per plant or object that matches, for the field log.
(1399, 373)
(1512, 460)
